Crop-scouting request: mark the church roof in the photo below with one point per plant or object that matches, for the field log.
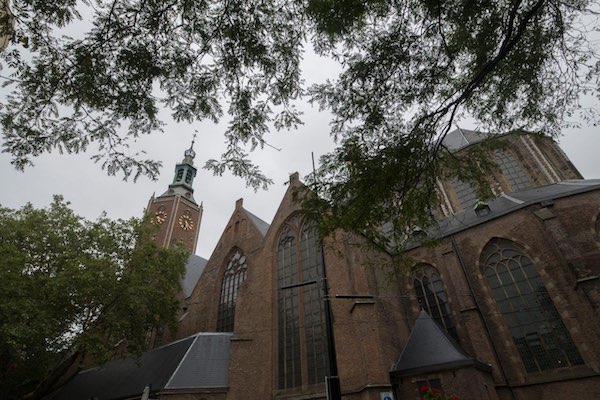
(461, 138)
(430, 349)
(193, 270)
(261, 225)
(200, 361)
(507, 203)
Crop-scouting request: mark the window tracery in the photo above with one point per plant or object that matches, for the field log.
(532, 319)
(235, 273)
(432, 297)
(303, 357)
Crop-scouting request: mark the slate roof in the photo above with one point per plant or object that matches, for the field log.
(461, 138)
(198, 361)
(206, 365)
(514, 201)
(503, 205)
(261, 225)
(430, 349)
(193, 270)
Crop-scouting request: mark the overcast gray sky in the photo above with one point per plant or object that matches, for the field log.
(91, 191)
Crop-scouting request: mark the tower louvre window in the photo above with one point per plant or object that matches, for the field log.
(536, 327)
(179, 174)
(432, 297)
(234, 275)
(303, 357)
(188, 176)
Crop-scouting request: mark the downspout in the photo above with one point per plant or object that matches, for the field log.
(485, 324)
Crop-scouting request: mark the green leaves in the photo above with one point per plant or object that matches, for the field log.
(107, 86)
(338, 18)
(76, 285)
(410, 69)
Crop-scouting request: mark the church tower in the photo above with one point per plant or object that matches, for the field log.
(176, 212)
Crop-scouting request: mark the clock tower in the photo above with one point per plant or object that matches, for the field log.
(176, 212)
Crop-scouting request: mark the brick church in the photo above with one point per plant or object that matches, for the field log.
(504, 306)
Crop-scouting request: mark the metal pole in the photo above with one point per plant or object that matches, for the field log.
(332, 382)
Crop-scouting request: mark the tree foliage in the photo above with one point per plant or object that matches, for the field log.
(410, 68)
(71, 286)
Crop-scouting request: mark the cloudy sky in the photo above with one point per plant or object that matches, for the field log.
(90, 191)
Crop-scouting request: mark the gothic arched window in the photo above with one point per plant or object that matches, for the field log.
(302, 347)
(534, 323)
(432, 297)
(234, 275)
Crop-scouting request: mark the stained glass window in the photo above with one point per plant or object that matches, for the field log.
(432, 297)
(512, 170)
(301, 314)
(234, 275)
(466, 193)
(534, 323)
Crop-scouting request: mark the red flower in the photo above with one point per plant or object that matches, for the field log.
(424, 388)
(436, 391)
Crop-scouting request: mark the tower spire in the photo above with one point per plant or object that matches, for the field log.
(190, 153)
(185, 171)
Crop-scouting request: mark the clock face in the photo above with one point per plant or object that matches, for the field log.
(185, 222)
(161, 216)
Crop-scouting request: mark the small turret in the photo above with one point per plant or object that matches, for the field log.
(185, 171)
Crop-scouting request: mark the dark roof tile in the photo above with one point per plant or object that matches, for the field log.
(430, 349)
(193, 270)
(198, 361)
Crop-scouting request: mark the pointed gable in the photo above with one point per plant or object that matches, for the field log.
(258, 223)
(242, 228)
(290, 203)
(430, 349)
